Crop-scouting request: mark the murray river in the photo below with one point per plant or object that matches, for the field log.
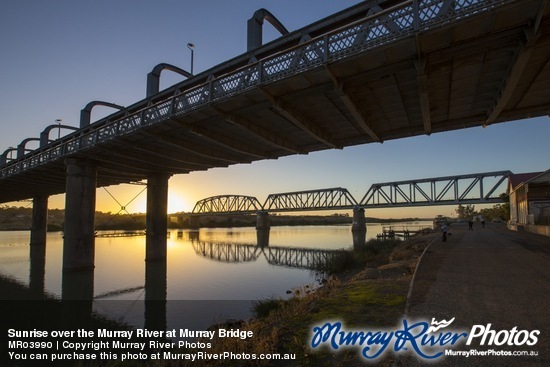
(210, 274)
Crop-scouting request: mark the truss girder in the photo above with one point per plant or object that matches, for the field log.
(325, 199)
(224, 204)
(451, 190)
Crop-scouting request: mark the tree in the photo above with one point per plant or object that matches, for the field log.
(497, 212)
(465, 212)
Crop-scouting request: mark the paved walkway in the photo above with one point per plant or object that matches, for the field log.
(488, 275)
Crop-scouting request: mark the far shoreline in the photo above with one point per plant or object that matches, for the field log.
(20, 220)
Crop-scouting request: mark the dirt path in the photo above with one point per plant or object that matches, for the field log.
(483, 276)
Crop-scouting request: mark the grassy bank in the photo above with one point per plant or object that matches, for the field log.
(368, 295)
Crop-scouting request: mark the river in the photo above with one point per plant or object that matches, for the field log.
(212, 274)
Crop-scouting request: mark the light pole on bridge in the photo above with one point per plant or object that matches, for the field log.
(191, 47)
(58, 128)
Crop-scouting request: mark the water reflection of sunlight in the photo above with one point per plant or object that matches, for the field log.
(119, 264)
(216, 263)
(210, 267)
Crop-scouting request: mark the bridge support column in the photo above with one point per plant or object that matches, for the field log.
(77, 286)
(155, 295)
(156, 217)
(37, 273)
(194, 222)
(359, 228)
(79, 236)
(39, 225)
(262, 220)
(262, 228)
(359, 222)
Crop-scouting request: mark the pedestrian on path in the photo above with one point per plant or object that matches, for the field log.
(444, 229)
(471, 225)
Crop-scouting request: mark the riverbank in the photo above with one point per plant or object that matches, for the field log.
(371, 293)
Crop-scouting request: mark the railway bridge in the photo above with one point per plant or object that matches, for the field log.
(477, 188)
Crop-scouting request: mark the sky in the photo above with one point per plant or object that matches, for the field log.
(58, 55)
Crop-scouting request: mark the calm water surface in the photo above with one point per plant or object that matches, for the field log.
(210, 264)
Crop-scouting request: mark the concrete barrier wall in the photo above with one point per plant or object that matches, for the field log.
(543, 230)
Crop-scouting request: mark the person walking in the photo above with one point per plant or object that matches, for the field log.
(444, 229)
(471, 225)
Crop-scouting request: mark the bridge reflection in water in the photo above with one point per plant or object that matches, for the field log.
(83, 295)
(294, 257)
(301, 258)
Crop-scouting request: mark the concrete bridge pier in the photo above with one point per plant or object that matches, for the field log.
(76, 286)
(359, 222)
(155, 295)
(194, 222)
(262, 220)
(79, 235)
(39, 226)
(38, 246)
(359, 227)
(37, 273)
(156, 217)
(262, 228)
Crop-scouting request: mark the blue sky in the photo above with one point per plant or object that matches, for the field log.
(58, 55)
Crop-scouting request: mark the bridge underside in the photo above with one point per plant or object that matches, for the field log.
(481, 70)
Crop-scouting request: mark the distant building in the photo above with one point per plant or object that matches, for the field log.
(530, 201)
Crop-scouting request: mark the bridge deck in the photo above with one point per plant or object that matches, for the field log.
(399, 72)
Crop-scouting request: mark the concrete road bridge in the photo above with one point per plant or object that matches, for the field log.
(380, 70)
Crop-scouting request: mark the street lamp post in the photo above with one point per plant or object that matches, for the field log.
(191, 46)
(58, 128)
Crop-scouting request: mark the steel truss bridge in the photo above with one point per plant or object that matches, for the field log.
(302, 258)
(480, 188)
(380, 70)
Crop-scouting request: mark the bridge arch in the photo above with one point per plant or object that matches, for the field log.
(45, 135)
(4, 156)
(21, 148)
(254, 27)
(225, 204)
(86, 112)
(153, 78)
